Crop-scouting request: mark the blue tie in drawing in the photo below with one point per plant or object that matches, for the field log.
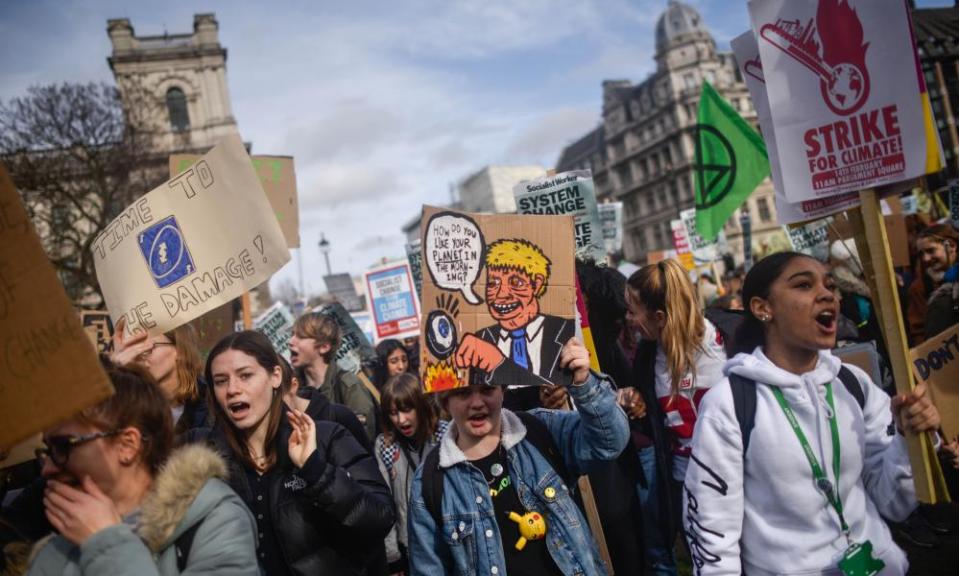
(166, 253)
(518, 353)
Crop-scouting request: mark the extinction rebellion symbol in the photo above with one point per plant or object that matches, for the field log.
(715, 166)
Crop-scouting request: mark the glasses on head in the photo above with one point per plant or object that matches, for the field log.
(58, 448)
(146, 353)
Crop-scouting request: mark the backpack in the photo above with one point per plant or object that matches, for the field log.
(433, 475)
(182, 546)
(744, 399)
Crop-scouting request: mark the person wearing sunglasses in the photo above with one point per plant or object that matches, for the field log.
(121, 503)
(173, 359)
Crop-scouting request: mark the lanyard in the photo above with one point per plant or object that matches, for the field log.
(822, 482)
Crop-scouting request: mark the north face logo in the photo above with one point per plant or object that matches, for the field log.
(295, 483)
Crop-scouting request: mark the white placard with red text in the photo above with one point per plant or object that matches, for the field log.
(845, 94)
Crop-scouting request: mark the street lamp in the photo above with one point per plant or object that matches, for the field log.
(325, 251)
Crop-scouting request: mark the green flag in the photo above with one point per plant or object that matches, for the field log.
(731, 161)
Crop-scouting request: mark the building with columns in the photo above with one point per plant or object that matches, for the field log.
(643, 153)
(178, 79)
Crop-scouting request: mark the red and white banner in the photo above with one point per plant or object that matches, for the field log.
(846, 96)
(746, 49)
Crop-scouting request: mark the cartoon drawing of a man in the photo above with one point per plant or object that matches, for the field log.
(517, 274)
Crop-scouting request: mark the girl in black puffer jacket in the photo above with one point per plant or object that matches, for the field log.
(317, 495)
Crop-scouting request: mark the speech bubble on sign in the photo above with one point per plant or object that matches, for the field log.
(454, 253)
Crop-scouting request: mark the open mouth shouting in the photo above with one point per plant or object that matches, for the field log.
(407, 429)
(826, 322)
(238, 410)
(478, 421)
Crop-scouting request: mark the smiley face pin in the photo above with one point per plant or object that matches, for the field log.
(550, 493)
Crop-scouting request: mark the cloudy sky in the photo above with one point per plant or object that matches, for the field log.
(382, 104)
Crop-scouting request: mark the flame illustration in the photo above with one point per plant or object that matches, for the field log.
(440, 376)
(840, 33)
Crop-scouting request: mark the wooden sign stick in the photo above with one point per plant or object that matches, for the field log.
(873, 245)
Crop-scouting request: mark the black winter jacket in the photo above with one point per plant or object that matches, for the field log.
(320, 408)
(329, 524)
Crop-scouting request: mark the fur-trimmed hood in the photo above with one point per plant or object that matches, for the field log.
(168, 509)
(848, 280)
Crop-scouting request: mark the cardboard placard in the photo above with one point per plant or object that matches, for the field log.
(276, 323)
(936, 362)
(487, 276)
(342, 288)
(393, 300)
(746, 49)
(190, 245)
(355, 349)
(278, 178)
(214, 326)
(611, 220)
(570, 193)
(848, 103)
(99, 328)
(48, 366)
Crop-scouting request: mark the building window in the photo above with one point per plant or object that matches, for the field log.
(176, 106)
(650, 203)
(763, 205)
(689, 80)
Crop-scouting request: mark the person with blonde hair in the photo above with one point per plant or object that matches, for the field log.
(680, 357)
(523, 347)
(173, 359)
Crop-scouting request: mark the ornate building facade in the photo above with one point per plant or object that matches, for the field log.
(643, 153)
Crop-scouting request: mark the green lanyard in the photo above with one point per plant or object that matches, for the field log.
(822, 482)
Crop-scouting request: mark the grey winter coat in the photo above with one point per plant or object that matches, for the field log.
(189, 490)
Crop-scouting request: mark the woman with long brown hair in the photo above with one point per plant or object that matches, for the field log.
(319, 500)
(411, 429)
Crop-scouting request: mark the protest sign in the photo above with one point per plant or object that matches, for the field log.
(48, 367)
(848, 105)
(681, 244)
(414, 255)
(954, 205)
(746, 49)
(190, 245)
(99, 328)
(278, 178)
(570, 193)
(364, 320)
(213, 326)
(277, 325)
(704, 252)
(392, 299)
(936, 362)
(342, 288)
(355, 349)
(611, 220)
(524, 267)
(811, 238)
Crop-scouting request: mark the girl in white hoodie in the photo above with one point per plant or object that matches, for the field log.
(763, 511)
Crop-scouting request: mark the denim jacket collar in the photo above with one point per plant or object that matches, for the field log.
(512, 434)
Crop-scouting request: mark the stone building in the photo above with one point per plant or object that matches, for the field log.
(179, 78)
(643, 153)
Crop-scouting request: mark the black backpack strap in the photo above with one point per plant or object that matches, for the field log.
(432, 486)
(853, 385)
(182, 546)
(744, 401)
(538, 435)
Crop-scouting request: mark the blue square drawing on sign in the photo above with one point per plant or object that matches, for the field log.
(166, 253)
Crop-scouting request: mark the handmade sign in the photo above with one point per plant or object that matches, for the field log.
(936, 362)
(414, 255)
(342, 288)
(611, 220)
(392, 298)
(523, 266)
(355, 349)
(191, 245)
(848, 104)
(99, 328)
(570, 193)
(704, 252)
(278, 178)
(48, 367)
(277, 325)
(746, 49)
(681, 244)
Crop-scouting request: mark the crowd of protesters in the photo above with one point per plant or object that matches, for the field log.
(722, 428)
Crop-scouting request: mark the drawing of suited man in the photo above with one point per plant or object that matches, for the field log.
(517, 274)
